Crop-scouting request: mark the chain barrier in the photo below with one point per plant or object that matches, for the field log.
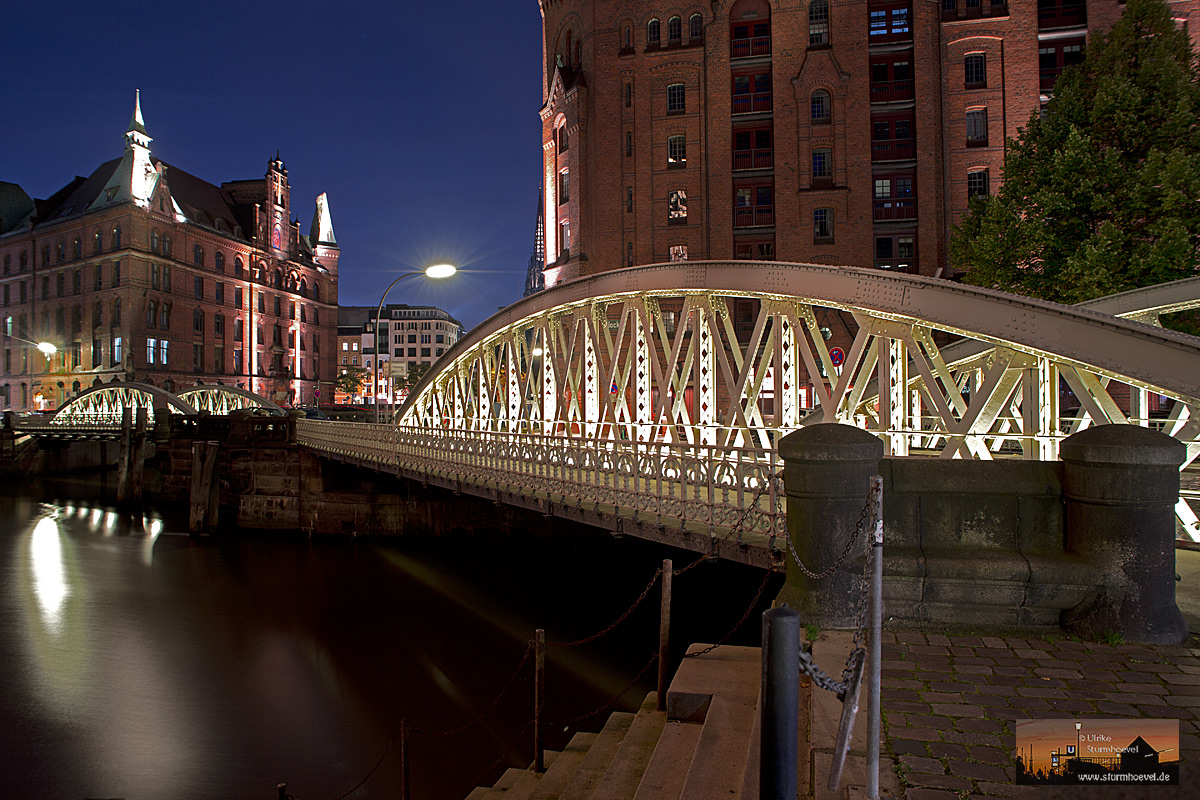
(617, 621)
(567, 723)
(479, 717)
(807, 665)
(762, 587)
(373, 769)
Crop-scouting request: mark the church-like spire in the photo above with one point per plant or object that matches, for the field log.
(321, 231)
(136, 133)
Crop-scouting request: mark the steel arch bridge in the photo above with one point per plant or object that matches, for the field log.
(218, 399)
(637, 390)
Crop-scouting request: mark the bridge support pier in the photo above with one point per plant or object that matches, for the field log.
(1121, 483)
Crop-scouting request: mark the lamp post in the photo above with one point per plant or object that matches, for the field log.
(1078, 726)
(435, 271)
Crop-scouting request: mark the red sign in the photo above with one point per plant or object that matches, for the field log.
(837, 356)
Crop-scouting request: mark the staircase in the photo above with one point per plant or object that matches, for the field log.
(705, 746)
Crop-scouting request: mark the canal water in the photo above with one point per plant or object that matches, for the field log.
(137, 662)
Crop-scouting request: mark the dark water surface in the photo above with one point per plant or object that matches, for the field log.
(140, 663)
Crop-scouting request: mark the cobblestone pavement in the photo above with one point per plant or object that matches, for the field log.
(950, 704)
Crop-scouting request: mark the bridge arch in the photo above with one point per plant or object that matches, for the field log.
(624, 353)
(105, 403)
(219, 399)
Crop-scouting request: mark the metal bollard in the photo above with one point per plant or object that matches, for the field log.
(781, 704)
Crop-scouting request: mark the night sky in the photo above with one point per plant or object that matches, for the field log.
(419, 119)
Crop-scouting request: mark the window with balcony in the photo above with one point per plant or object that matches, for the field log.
(822, 167)
(677, 207)
(752, 92)
(977, 184)
(752, 149)
(977, 131)
(822, 225)
(818, 23)
(975, 71)
(820, 107)
(753, 206)
(749, 39)
(891, 79)
(1054, 57)
(890, 23)
(892, 138)
(895, 197)
(676, 99)
(676, 152)
(896, 251)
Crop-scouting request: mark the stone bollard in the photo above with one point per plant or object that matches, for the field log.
(827, 474)
(1121, 484)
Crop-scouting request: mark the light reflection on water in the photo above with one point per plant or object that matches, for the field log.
(137, 662)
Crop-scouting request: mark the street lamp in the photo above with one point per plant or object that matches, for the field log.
(435, 271)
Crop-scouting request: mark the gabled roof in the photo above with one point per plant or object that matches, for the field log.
(79, 195)
(205, 204)
(15, 206)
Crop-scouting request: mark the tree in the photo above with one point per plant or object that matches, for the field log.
(413, 376)
(1102, 194)
(350, 380)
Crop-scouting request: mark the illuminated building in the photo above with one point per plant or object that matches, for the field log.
(845, 133)
(144, 272)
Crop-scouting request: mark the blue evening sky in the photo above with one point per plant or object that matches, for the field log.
(419, 119)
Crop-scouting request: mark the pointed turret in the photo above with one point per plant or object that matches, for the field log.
(322, 225)
(136, 133)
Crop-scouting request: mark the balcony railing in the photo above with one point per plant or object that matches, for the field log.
(910, 267)
(893, 150)
(890, 208)
(750, 103)
(751, 216)
(885, 37)
(762, 158)
(986, 9)
(1064, 16)
(889, 91)
(743, 48)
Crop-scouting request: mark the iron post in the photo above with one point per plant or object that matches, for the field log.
(781, 704)
(875, 645)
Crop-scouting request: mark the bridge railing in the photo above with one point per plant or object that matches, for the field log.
(669, 484)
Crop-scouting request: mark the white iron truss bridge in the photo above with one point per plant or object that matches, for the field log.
(655, 396)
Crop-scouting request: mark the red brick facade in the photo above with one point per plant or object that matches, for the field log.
(184, 284)
(848, 142)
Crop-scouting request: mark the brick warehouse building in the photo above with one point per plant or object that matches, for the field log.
(844, 132)
(144, 272)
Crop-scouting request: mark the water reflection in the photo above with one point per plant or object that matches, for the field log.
(47, 572)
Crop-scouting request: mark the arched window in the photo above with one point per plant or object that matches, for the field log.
(198, 255)
(60, 251)
(45, 255)
(316, 291)
(237, 267)
(154, 244)
(166, 245)
(653, 33)
(97, 314)
(77, 248)
(116, 237)
(695, 28)
(7, 263)
(674, 30)
(97, 243)
(278, 279)
(303, 289)
(116, 313)
(820, 107)
(198, 321)
(563, 138)
(24, 261)
(219, 261)
(566, 54)
(818, 23)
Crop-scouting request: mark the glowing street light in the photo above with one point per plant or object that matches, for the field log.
(48, 349)
(434, 271)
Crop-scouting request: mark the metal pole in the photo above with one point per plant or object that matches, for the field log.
(378, 314)
(876, 646)
(664, 633)
(781, 704)
(403, 759)
(539, 697)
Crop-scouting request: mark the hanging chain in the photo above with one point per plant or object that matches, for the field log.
(807, 665)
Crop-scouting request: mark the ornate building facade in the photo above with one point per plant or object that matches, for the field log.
(144, 272)
(844, 132)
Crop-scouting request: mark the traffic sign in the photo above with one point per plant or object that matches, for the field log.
(837, 356)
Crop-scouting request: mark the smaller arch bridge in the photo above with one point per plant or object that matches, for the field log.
(98, 412)
(660, 392)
